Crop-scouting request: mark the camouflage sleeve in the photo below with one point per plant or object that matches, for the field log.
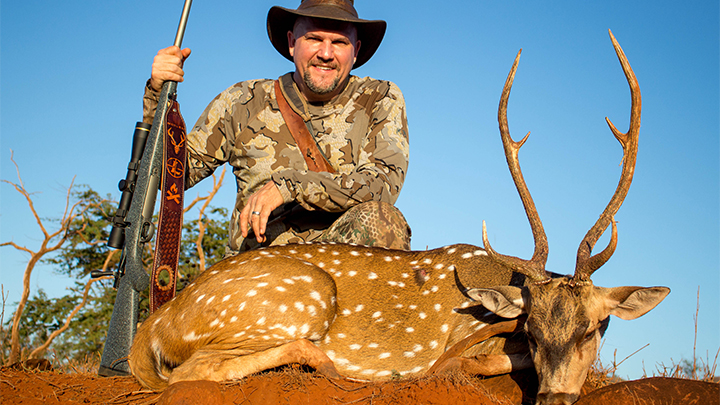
(378, 175)
(207, 141)
(211, 139)
(150, 102)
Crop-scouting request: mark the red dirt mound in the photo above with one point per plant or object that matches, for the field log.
(20, 385)
(289, 386)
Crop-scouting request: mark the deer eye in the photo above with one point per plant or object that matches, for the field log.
(589, 336)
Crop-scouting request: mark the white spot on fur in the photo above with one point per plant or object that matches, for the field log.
(300, 306)
(283, 308)
(372, 276)
(377, 314)
(384, 355)
(444, 328)
(227, 297)
(251, 293)
(359, 308)
(480, 253)
(433, 344)
(191, 337)
(354, 253)
(352, 273)
(410, 329)
(280, 288)
(355, 346)
(451, 251)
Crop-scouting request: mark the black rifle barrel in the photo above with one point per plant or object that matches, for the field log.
(134, 279)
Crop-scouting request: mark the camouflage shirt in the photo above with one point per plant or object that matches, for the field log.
(362, 132)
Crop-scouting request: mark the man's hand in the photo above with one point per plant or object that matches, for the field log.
(168, 66)
(257, 211)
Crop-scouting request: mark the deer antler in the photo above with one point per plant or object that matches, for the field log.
(535, 267)
(586, 264)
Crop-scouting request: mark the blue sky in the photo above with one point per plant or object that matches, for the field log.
(72, 74)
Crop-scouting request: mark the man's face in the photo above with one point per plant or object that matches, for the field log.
(323, 58)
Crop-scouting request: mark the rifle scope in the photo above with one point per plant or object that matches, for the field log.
(127, 186)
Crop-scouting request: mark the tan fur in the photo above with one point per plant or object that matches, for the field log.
(374, 312)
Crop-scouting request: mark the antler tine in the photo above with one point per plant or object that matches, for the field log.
(586, 265)
(535, 267)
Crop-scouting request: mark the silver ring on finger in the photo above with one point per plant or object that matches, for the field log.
(256, 212)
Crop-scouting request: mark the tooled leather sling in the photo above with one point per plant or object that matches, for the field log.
(315, 160)
(167, 250)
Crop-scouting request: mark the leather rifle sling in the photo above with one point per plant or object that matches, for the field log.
(167, 249)
(306, 143)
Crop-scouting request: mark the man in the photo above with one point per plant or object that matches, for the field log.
(358, 124)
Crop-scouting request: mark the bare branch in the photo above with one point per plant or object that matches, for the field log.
(217, 183)
(77, 308)
(16, 246)
(68, 216)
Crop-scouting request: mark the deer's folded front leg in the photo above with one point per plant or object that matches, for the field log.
(221, 365)
(486, 364)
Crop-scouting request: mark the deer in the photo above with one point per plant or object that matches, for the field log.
(373, 314)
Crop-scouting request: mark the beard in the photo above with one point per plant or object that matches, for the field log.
(319, 88)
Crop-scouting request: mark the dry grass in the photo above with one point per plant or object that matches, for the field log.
(699, 369)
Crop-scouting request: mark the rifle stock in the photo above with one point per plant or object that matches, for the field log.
(131, 277)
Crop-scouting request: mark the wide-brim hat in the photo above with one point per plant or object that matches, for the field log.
(280, 20)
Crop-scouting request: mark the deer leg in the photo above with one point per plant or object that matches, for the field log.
(486, 364)
(222, 365)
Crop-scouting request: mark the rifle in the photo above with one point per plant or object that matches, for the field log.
(133, 226)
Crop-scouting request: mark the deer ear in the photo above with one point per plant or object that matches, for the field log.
(505, 301)
(633, 302)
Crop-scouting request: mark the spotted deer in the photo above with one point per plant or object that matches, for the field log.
(374, 314)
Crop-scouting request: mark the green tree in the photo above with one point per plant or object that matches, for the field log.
(76, 324)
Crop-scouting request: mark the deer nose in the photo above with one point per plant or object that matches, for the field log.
(552, 398)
